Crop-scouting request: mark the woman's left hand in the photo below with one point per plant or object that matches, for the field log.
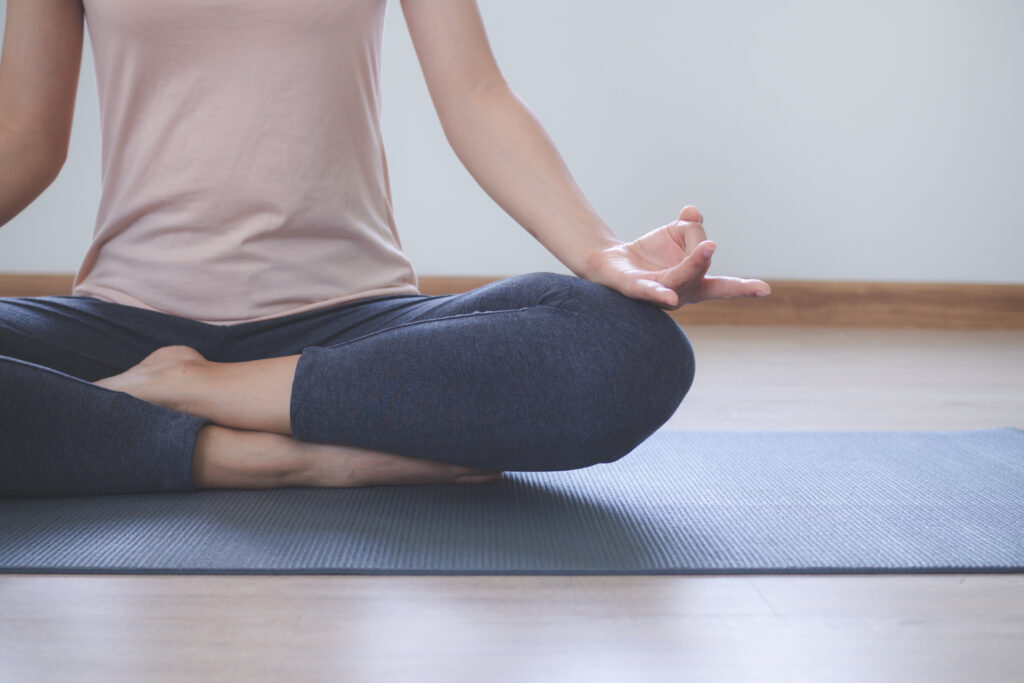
(668, 266)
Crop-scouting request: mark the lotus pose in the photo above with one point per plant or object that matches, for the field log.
(245, 316)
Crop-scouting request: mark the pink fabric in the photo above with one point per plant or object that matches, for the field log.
(244, 173)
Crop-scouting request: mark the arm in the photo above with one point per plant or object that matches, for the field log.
(506, 150)
(510, 155)
(495, 135)
(39, 66)
(25, 171)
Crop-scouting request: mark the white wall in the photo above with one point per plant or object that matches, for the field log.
(869, 140)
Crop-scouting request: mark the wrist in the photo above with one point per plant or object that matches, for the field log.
(597, 255)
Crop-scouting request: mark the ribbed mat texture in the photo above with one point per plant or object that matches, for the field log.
(683, 502)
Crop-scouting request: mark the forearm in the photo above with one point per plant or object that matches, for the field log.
(507, 151)
(25, 171)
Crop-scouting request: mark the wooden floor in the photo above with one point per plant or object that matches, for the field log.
(936, 628)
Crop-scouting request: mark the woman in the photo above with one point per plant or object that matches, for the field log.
(245, 316)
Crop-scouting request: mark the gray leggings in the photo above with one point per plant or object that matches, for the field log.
(535, 372)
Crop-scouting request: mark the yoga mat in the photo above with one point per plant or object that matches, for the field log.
(683, 502)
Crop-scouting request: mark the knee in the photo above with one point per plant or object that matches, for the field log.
(627, 367)
(643, 366)
(656, 372)
(646, 345)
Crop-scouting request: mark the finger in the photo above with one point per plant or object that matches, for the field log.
(650, 290)
(721, 287)
(690, 213)
(662, 294)
(689, 234)
(692, 268)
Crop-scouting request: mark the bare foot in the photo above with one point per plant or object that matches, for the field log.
(232, 458)
(332, 465)
(225, 457)
(150, 379)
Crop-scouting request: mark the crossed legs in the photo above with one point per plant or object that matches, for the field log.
(536, 372)
(250, 443)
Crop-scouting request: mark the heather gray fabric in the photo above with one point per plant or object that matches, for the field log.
(682, 502)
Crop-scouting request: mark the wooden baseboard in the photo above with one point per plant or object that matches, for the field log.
(841, 304)
(19, 284)
(793, 302)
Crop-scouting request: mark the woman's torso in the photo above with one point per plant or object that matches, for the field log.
(244, 173)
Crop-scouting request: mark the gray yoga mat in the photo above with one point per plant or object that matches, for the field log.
(683, 502)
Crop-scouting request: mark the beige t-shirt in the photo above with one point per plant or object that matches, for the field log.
(243, 168)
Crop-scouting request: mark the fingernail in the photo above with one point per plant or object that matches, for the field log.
(708, 252)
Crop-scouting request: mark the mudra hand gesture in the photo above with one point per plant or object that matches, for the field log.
(668, 266)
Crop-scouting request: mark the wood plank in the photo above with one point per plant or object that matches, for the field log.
(523, 628)
(793, 302)
(833, 378)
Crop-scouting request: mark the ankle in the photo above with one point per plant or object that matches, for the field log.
(182, 382)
